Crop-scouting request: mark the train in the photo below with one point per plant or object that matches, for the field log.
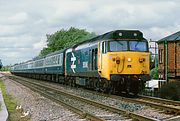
(116, 62)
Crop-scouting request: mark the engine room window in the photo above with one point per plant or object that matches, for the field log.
(118, 46)
(138, 46)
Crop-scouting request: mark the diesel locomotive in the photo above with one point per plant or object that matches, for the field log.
(116, 62)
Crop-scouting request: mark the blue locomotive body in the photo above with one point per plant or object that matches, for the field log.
(79, 60)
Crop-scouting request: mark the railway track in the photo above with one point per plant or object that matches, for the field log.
(170, 107)
(94, 111)
(160, 100)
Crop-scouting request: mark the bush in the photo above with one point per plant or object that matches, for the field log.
(171, 91)
(154, 73)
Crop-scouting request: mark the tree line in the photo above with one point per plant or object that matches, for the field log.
(64, 39)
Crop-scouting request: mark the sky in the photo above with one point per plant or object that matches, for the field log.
(25, 23)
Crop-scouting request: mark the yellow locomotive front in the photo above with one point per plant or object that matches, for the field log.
(124, 62)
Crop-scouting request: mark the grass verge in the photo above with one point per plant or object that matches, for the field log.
(10, 102)
(8, 99)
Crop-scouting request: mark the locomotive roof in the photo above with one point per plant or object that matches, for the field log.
(172, 37)
(117, 34)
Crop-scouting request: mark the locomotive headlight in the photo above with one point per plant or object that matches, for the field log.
(135, 34)
(129, 59)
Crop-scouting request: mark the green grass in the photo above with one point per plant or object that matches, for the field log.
(9, 102)
(8, 99)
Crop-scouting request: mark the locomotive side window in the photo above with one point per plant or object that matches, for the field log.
(94, 59)
(104, 50)
(96, 56)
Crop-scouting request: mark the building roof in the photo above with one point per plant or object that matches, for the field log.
(173, 37)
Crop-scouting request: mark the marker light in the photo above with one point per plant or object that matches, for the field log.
(135, 34)
(120, 34)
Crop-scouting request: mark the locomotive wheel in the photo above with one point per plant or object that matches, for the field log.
(97, 85)
(104, 85)
(135, 85)
(91, 84)
(110, 88)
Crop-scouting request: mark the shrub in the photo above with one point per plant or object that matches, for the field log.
(154, 73)
(171, 91)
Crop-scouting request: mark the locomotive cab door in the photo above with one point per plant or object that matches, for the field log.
(101, 52)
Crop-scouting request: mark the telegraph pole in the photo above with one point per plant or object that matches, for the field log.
(154, 47)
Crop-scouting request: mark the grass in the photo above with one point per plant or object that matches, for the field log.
(11, 103)
(8, 99)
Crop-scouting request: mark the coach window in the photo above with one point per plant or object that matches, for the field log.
(160, 56)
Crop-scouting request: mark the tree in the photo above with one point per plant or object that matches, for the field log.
(153, 67)
(5, 68)
(154, 73)
(64, 39)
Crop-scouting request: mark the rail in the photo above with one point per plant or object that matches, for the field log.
(82, 113)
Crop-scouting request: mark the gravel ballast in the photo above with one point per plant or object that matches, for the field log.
(134, 107)
(40, 108)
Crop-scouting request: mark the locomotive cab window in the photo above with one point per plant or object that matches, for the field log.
(94, 59)
(120, 45)
(137, 46)
(115, 46)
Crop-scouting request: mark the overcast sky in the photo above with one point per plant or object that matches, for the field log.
(25, 23)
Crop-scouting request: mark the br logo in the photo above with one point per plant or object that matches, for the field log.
(73, 65)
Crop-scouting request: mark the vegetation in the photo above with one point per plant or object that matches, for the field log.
(154, 73)
(153, 67)
(171, 91)
(11, 103)
(64, 39)
(5, 68)
(8, 99)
